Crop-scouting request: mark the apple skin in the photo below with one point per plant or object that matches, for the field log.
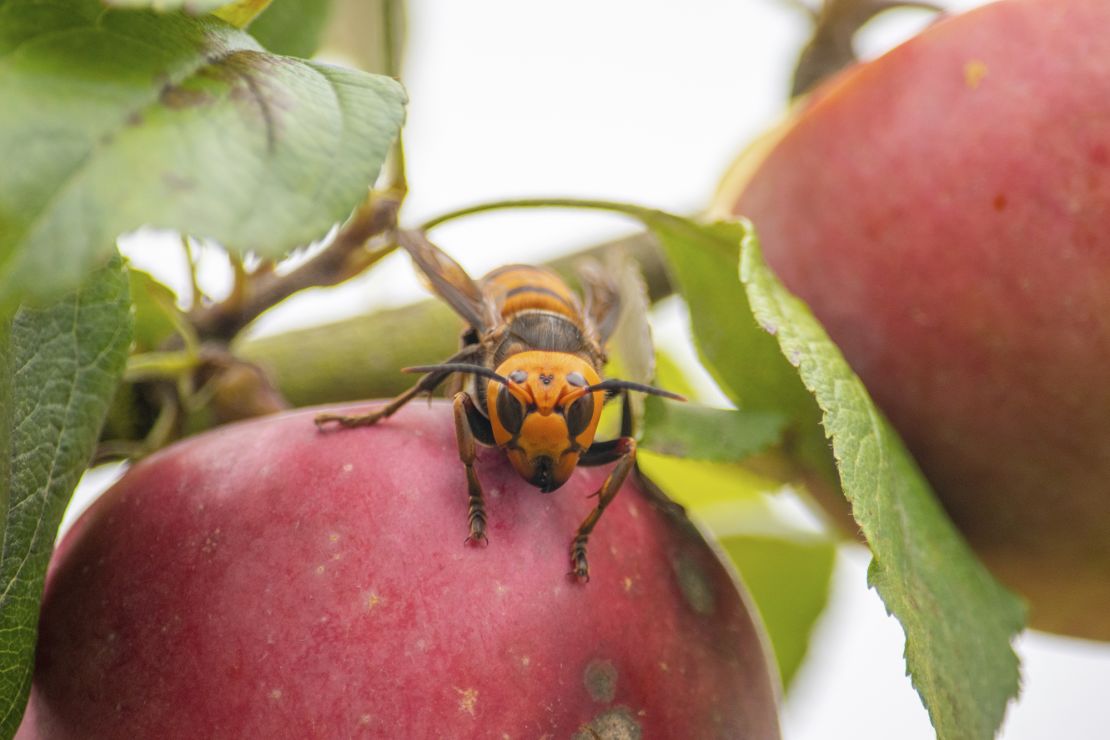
(269, 580)
(945, 211)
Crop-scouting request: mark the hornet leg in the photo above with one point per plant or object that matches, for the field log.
(601, 453)
(623, 450)
(426, 384)
(471, 425)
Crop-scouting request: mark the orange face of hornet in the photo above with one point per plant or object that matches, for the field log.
(545, 418)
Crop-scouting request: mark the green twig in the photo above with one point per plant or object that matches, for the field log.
(573, 203)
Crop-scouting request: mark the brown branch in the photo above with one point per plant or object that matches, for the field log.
(345, 256)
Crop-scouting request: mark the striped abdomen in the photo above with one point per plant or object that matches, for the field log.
(518, 288)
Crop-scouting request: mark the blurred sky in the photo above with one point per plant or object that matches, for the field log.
(647, 101)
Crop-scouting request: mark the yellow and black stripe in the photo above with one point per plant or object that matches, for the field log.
(517, 288)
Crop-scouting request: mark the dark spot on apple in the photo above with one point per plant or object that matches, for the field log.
(613, 724)
(600, 678)
(693, 584)
(999, 202)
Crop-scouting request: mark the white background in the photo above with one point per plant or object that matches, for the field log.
(647, 101)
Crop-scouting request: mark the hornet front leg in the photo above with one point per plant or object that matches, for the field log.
(623, 450)
(426, 384)
(471, 425)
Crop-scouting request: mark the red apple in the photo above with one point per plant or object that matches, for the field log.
(945, 211)
(270, 580)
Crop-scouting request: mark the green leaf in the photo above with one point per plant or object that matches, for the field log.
(58, 369)
(703, 486)
(788, 578)
(155, 307)
(701, 433)
(959, 622)
(669, 375)
(745, 362)
(119, 119)
(292, 27)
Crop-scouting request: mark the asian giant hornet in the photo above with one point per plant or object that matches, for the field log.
(531, 356)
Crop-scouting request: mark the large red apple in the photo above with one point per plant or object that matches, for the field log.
(945, 210)
(269, 580)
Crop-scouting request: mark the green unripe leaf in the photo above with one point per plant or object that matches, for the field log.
(59, 366)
